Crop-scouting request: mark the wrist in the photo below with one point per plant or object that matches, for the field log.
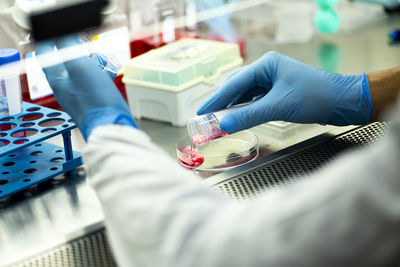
(384, 88)
(352, 100)
(125, 119)
(104, 117)
(366, 97)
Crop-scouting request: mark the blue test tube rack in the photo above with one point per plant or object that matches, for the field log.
(25, 160)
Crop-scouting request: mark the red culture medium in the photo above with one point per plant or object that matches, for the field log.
(191, 157)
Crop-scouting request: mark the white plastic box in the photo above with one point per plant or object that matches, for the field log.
(170, 83)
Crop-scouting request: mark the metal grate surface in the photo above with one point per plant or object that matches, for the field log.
(93, 249)
(287, 170)
(87, 251)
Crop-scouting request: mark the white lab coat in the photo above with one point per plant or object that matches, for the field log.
(158, 214)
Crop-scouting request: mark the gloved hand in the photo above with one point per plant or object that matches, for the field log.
(84, 91)
(294, 92)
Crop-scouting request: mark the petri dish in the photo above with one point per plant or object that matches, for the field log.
(220, 154)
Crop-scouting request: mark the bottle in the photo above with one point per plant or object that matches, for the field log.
(190, 17)
(10, 87)
(166, 16)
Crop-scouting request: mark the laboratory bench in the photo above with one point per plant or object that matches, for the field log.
(61, 221)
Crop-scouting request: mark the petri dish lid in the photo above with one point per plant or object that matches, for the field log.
(220, 154)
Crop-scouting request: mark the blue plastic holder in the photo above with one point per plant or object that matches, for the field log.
(25, 160)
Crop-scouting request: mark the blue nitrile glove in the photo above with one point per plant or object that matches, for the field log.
(293, 92)
(84, 91)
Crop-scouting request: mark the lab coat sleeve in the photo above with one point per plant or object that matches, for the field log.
(158, 214)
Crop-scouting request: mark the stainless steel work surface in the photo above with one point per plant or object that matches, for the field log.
(63, 209)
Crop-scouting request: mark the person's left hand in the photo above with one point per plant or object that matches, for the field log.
(83, 90)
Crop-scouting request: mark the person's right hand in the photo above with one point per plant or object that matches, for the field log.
(293, 92)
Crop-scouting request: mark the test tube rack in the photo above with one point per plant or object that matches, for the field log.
(25, 160)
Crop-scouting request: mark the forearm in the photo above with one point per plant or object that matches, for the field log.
(160, 215)
(384, 88)
(151, 204)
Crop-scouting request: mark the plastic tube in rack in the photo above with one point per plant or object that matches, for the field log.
(10, 87)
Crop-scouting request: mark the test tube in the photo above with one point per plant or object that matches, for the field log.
(10, 87)
(102, 51)
(205, 128)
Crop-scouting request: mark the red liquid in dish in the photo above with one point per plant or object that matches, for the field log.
(191, 157)
(199, 140)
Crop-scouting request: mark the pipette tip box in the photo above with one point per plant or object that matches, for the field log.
(170, 83)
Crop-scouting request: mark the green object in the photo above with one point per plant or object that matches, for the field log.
(329, 57)
(327, 21)
(326, 4)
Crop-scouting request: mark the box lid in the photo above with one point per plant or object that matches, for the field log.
(182, 64)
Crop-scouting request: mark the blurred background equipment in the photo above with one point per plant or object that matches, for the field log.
(388, 4)
(53, 21)
(327, 19)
